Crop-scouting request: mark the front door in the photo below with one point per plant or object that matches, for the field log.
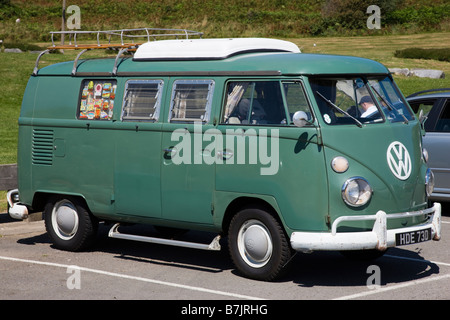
(265, 155)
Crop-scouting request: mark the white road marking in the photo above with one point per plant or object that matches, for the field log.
(418, 260)
(394, 287)
(403, 285)
(124, 276)
(399, 286)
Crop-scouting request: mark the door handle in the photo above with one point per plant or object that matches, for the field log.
(225, 154)
(170, 151)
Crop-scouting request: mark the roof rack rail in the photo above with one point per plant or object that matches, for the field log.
(125, 40)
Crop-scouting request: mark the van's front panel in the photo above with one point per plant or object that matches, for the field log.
(368, 123)
(377, 176)
(370, 156)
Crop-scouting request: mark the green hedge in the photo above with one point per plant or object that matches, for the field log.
(442, 54)
(23, 46)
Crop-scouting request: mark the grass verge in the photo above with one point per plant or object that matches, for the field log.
(440, 54)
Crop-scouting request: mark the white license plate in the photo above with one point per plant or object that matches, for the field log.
(412, 237)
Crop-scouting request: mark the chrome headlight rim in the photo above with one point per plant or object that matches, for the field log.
(364, 192)
(429, 182)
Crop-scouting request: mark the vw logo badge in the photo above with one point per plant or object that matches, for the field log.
(399, 160)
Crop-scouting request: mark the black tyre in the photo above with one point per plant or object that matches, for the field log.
(70, 224)
(258, 245)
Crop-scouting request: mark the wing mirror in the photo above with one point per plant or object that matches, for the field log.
(300, 119)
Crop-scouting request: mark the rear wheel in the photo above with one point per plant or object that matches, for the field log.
(70, 224)
(258, 245)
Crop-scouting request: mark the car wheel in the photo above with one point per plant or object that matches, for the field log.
(69, 224)
(258, 245)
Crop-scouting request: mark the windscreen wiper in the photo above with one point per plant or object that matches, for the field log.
(358, 123)
(390, 106)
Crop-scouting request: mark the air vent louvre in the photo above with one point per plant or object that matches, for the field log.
(42, 149)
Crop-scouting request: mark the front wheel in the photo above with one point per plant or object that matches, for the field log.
(258, 245)
(69, 223)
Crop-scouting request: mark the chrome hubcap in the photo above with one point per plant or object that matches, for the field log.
(65, 219)
(254, 243)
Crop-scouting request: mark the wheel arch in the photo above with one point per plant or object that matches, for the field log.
(41, 198)
(239, 203)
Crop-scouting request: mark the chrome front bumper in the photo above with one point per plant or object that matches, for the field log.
(379, 238)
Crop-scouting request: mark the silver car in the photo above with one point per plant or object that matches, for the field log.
(435, 105)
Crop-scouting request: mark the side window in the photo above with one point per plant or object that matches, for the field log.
(191, 101)
(425, 106)
(443, 123)
(142, 100)
(296, 99)
(97, 99)
(256, 103)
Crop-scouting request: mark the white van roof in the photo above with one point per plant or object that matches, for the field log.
(209, 49)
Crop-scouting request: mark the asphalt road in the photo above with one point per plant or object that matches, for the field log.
(31, 269)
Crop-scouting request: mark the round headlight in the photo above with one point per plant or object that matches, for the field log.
(356, 192)
(429, 182)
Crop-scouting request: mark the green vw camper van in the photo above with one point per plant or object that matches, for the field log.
(249, 139)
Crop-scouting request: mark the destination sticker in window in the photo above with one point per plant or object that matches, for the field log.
(97, 100)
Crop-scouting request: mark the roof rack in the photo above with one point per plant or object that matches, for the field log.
(124, 40)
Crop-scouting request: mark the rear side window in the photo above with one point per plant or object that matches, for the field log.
(142, 100)
(255, 103)
(296, 99)
(191, 101)
(263, 102)
(97, 99)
